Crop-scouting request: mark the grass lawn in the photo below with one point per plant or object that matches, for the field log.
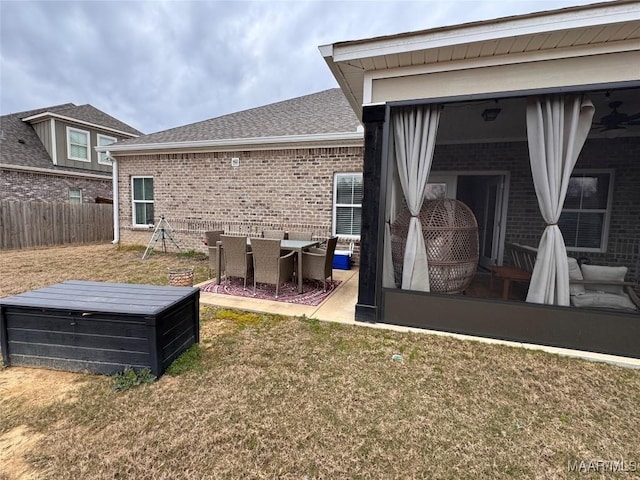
(267, 396)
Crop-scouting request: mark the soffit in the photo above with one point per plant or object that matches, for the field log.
(571, 31)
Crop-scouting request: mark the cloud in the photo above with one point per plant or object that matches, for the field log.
(157, 65)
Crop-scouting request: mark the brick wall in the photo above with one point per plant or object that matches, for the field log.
(16, 186)
(524, 221)
(282, 189)
(293, 190)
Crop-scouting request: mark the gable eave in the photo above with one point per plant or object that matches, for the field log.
(346, 139)
(40, 117)
(581, 31)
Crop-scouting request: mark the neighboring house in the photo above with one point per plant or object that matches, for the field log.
(483, 90)
(48, 154)
(293, 165)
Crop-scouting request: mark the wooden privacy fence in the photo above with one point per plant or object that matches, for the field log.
(35, 224)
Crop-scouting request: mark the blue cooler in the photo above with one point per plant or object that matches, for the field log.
(342, 260)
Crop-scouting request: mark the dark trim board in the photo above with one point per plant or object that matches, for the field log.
(370, 240)
(580, 329)
(99, 327)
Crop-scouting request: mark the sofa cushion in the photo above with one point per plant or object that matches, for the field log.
(575, 274)
(603, 300)
(603, 273)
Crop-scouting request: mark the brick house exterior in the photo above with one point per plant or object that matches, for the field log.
(19, 185)
(39, 163)
(281, 189)
(271, 167)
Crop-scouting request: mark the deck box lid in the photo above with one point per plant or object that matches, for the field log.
(106, 297)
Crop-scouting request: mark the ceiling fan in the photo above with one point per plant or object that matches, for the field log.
(616, 120)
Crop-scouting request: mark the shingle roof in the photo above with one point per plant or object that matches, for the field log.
(20, 145)
(90, 114)
(322, 112)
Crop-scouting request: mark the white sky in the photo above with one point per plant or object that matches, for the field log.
(161, 64)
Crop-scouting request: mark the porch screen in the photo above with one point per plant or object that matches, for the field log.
(414, 139)
(557, 127)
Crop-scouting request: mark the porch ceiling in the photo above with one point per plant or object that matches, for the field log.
(576, 31)
(510, 125)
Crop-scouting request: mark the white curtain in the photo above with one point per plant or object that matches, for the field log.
(557, 127)
(415, 131)
(393, 203)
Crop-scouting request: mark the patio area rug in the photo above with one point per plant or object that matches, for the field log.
(288, 292)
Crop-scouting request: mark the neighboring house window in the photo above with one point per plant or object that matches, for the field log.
(585, 214)
(75, 195)
(102, 141)
(78, 144)
(347, 204)
(142, 188)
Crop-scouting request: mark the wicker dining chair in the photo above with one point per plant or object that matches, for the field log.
(212, 237)
(276, 234)
(300, 236)
(237, 258)
(317, 263)
(268, 265)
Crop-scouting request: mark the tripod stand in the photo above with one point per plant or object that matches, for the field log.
(162, 232)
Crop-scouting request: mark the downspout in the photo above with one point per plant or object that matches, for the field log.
(114, 181)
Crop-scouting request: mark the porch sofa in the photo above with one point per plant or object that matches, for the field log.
(590, 286)
(600, 286)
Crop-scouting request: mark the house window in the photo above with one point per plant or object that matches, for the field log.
(75, 195)
(584, 221)
(102, 141)
(347, 204)
(142, 188)
(78, 144)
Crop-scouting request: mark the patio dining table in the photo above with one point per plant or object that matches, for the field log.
(289, 245)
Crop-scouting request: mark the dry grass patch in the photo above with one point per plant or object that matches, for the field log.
(277, 397)
(296, 398)
(35, 268)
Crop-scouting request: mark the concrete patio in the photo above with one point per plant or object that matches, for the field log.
(338, 307)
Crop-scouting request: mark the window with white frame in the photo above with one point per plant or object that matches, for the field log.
(78, 144)
(584, 221)
(75, 195)
(142, 200)
(104, 140)
(347, 204)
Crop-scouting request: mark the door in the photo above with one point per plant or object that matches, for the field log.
(484, 195)
(489, 231)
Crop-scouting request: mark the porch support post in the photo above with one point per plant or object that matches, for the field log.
(370, 239)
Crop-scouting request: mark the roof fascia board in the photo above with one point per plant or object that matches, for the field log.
(544, 22)
(45, 115)
(507, 59)
(58, 173)
(327, 53)
(238, 148)
(255, 143)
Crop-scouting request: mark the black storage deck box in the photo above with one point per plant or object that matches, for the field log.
(99, 327)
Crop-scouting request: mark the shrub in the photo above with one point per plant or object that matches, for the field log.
(130, 378)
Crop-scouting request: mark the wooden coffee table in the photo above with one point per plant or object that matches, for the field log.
(508, 275)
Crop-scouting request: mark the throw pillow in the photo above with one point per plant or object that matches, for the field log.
(575, 274)
(600, 273)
